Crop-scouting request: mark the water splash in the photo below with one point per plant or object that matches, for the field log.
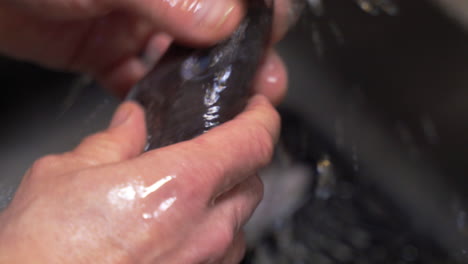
(322, 26)
(74, 92)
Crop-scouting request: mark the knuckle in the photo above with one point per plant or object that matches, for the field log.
(237, 217)
(193, 190)
(45, 164)
(203, 176)
(238, 250)
(192, 195)
(263, 134)
(253, 196)
(213, 174)
(241, 253)
(262, 144)
(224, 240)
(257, 188)
(102, 144)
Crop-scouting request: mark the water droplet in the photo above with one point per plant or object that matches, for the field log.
(147, 216)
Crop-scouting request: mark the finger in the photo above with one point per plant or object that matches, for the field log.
(64, 9)
(225, 221)
(237, 205)
(237, 251)
(272, 78)
(287, 12)
(124, 139)
(224, 156)
(211, 245)
(107, 146)
(120, 78)
(110, 41)
(202, 22)
(227, 217)
(58, 164)
(241, 147)
(156, 47)
(208, 21)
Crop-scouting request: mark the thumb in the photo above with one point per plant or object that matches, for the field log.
(195, 21)
(124, 139)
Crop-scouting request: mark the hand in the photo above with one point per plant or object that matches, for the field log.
(107, 38)
(105, 202)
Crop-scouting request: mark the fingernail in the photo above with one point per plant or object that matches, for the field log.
(271, 70)
(121, 116)
(287, 14)
(155, 48)
(214, 13)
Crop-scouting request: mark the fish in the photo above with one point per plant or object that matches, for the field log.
(189, 91)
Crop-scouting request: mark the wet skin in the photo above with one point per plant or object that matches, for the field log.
(107, 38)
(105, 201)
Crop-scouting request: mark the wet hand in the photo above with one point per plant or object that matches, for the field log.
(108, 38)
(105, 202)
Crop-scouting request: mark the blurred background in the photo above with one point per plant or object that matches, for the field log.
(377, 113)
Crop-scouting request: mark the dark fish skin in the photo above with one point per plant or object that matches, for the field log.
(190, 90)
